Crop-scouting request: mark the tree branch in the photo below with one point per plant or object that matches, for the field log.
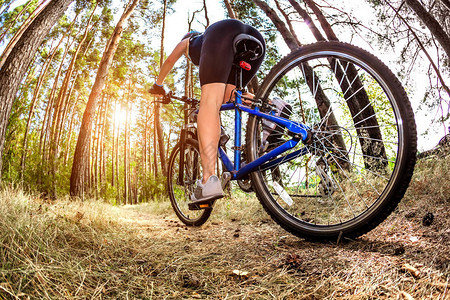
(438, 73)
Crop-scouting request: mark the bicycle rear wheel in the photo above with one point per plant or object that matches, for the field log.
(180, 192)
(357, 166)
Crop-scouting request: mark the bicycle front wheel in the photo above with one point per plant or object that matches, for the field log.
(180, 188)
(356, 166)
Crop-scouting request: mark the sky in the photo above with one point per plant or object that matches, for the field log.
(177, 26)
(359, 9)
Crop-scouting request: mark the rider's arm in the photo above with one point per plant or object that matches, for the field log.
(168, 64)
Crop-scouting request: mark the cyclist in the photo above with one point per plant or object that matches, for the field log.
(213, 51)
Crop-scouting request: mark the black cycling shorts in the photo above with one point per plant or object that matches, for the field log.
(215, 51)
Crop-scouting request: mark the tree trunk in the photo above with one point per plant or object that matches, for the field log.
(46, 125)
(97, 137)
(322, 20)
(19, 32)
(69, 138)
(308, 20)
(321, 99)
(21, 55)
(117, 163)
(155, 148)
(432, 24)
(446, 3)
(5, 31)
(81, 156)
(49, 102)
(113, 150)
(206, 13)
(7, 5)
(281, 27)
(125, 158)
(288, 21)
(61, 100)
(102, 158)
(230, 11)
(144, 152)
(158, 126)
(422, 47)
(34, 100)
(359, 105)
(128, 154)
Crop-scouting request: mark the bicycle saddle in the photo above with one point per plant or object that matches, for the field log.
(246, 47)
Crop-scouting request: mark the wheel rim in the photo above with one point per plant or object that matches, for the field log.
(180, 193)
(337, 182)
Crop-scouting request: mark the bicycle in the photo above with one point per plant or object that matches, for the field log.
(335, 168)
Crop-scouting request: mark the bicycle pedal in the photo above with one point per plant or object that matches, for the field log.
(226, 176)
(196, 206)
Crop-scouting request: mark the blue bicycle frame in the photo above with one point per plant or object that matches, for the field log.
(296, 130)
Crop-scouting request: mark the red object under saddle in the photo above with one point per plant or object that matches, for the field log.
(244, 65)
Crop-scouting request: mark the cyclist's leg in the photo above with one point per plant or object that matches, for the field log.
(208, 123)
(215, 72)
(215, 65)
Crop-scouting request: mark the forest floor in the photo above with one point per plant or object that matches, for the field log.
(71, 250)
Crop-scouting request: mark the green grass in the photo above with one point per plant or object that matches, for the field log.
(79, 250)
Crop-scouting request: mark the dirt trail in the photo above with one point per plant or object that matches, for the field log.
(402, 259)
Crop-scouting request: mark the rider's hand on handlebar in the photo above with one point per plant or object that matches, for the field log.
(157, 90)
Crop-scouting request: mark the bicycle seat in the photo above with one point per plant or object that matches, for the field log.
(246, 47)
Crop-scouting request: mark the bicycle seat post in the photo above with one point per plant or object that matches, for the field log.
(238, 120)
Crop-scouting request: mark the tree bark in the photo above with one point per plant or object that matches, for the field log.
(446, 3)
(117, 163)
(81, 151)
(62, 96)
(144, 146)
(113, 147)
(7, 5)
(19, 32)
(158, 126)
(322, 20)
(432, 24)
(49, 102)
(102, 144)
(288, 21)
(308, 20)
(21, 55)
(359, 104)
(14, 21)
(46, 125)
(321, 99)
(279, 24)
(34, 100)
(125, 158)
(206, 13)
(69, 138)
(231, 13)
(155, 148)
(422, 46)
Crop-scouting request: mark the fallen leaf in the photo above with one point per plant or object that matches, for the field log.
(240, 273)
(414, 239)
(413, 271)
(405, 295)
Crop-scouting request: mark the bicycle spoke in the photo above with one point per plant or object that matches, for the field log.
(350, 162)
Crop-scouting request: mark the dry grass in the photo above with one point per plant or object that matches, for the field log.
(67, 250)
